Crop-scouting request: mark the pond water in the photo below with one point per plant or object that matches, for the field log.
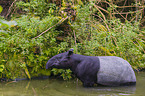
(57, 87)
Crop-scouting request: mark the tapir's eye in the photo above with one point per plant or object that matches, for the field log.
(68, 57)
(57, 59)
(65, 60)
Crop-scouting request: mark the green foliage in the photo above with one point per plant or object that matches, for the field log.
(23, 53)
(122, 40)
(1, 68)
(66, 74)
(37, 7)
(1, 8)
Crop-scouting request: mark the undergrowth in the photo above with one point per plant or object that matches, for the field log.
(24, 50)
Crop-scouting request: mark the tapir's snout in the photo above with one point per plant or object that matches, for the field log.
(52, 63)
(48, 65)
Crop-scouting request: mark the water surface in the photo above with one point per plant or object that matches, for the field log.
(57, 87)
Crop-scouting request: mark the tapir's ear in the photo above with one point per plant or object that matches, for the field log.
(70, 52)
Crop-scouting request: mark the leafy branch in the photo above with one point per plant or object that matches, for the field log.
(62, 20)
(9, 11)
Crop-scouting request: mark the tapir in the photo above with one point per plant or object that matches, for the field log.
(101, 70)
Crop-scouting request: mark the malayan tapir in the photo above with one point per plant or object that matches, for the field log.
(102, 70)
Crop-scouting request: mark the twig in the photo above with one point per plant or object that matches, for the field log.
(62, 20)
(75, 40)
(111, 3)
(134, 17)
(103, 21)
(10, 82)
(121, 15)
(14, 9)
(115, 40)
(140, 40)
(138, 46)
(130, 6)
(116, 11)
(35, 94)
(102, 9)
(103, 17)
(136, 10)
(128, 12)
(100, 12)
(10, 9)
(124, 7)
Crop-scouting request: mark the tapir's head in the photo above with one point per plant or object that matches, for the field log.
(60, 61)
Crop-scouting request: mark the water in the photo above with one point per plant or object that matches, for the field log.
(55, 87)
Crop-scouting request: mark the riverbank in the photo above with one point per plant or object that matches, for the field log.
(35, 31)
(54, 87)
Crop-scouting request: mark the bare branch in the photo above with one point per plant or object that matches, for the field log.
(9, 11)
(62, 20)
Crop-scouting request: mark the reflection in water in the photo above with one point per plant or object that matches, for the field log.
(55, 87)
(126, 90)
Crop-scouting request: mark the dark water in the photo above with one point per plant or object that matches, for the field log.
(54, 87)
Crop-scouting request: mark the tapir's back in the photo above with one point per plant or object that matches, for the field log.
(115, 71)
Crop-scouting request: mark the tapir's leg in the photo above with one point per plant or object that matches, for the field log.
(86, 73)
(87, 81)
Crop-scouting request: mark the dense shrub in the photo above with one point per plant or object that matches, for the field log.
(24, 52)
(20, 52)
(123, 40)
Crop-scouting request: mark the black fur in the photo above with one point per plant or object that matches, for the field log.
(84, 67)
